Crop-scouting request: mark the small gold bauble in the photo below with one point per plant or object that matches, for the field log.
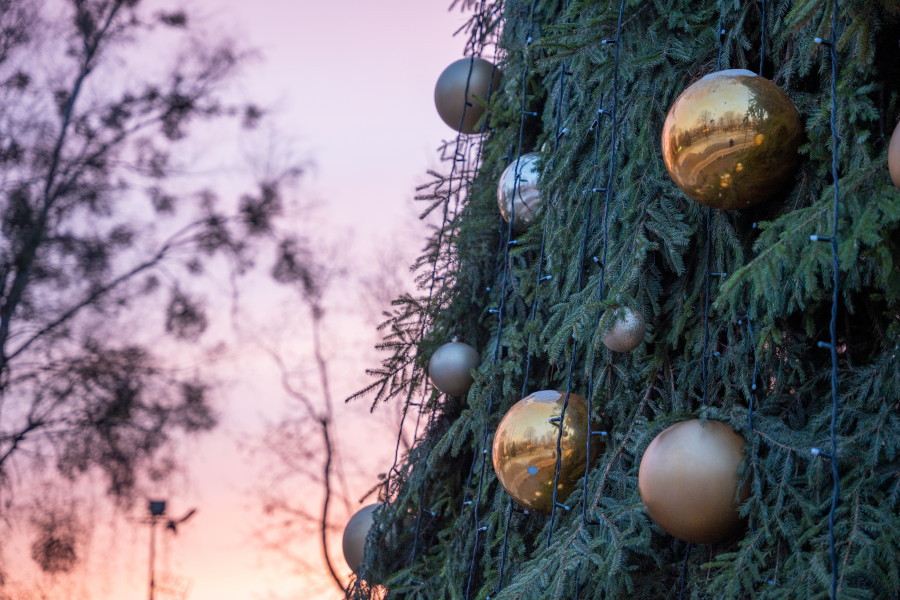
(730, 140)
(688, 480)
(450, 368)
(627, 331)
(474, 74)
(524, 450)
(894, 157)
(527, 195)
(355, 532)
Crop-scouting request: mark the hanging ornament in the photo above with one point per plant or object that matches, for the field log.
(627, 331)
(459, 111)
(527, 195)
(894, 157)
(730, 140)
(450, 368)
(355, 533)
(688, 480)
(524, 450)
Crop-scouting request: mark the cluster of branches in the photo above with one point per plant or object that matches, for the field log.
(98, 232)
(775, 279)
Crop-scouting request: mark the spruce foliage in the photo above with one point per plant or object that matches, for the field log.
(766, 313)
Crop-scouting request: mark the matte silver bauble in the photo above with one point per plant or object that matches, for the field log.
(450, 368)
(688, 481)
(522, 209)
(627, 331)
(894, 157)
(458, 110)
(355, 532)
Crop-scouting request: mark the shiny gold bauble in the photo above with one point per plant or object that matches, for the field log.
(355, 532)
(450, 368)
(480, 77)
(894, 157)
(527, 195)
(627, 331)
(730, 140)
(524, 450)
(688, 480)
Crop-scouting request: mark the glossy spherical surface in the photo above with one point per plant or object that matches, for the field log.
(894, 157)
(520, 198)
(450, 368)
(688, 481)
(730, 140)
(524, 450)
(627, 331)
(474, 74)
(355, 532)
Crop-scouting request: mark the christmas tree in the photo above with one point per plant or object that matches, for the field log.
(781, 320)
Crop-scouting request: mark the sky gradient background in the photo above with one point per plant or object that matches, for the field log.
(350, 85)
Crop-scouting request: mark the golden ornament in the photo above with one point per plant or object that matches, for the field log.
(450, 368)
(894, 157)
(524, 450)
(730, 140)
(627, 331)
(355, 532)
(459, 111)
(527, 195)
(688, 480)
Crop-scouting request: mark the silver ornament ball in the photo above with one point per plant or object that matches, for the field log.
(473, 76)
(524, 205)
(355, 533)
(627, 331)
(450, 368)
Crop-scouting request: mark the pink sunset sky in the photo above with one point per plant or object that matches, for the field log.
(352, 83)
(350, 87)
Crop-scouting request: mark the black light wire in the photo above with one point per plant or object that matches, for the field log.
(558, 132)
(831, 44)
(499, 311)
(463, 146)
(682, 580)
(602, 263)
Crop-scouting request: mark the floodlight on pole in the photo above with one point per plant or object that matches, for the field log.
(157, 510)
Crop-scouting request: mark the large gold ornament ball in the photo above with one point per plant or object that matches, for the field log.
(450, 368)
(730, 140)
(519, 198)
(457, 109)
(627, 331)
(355, 532)
(688, 480)
(524, 450)
(894, 157)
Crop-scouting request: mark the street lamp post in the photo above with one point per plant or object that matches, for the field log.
(157, 509)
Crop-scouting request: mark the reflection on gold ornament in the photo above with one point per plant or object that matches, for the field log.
(730, 140)
(450, 368)
(894, 157)
(355, 532)
(524, 450)
(688, 480)
(527, 195)
(627, 331)
(474, 74)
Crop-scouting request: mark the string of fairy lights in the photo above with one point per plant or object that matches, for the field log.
(606, 189)
(465, 163)
(474, 48)
(478, 528)
(539, 279)
(831, 44)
